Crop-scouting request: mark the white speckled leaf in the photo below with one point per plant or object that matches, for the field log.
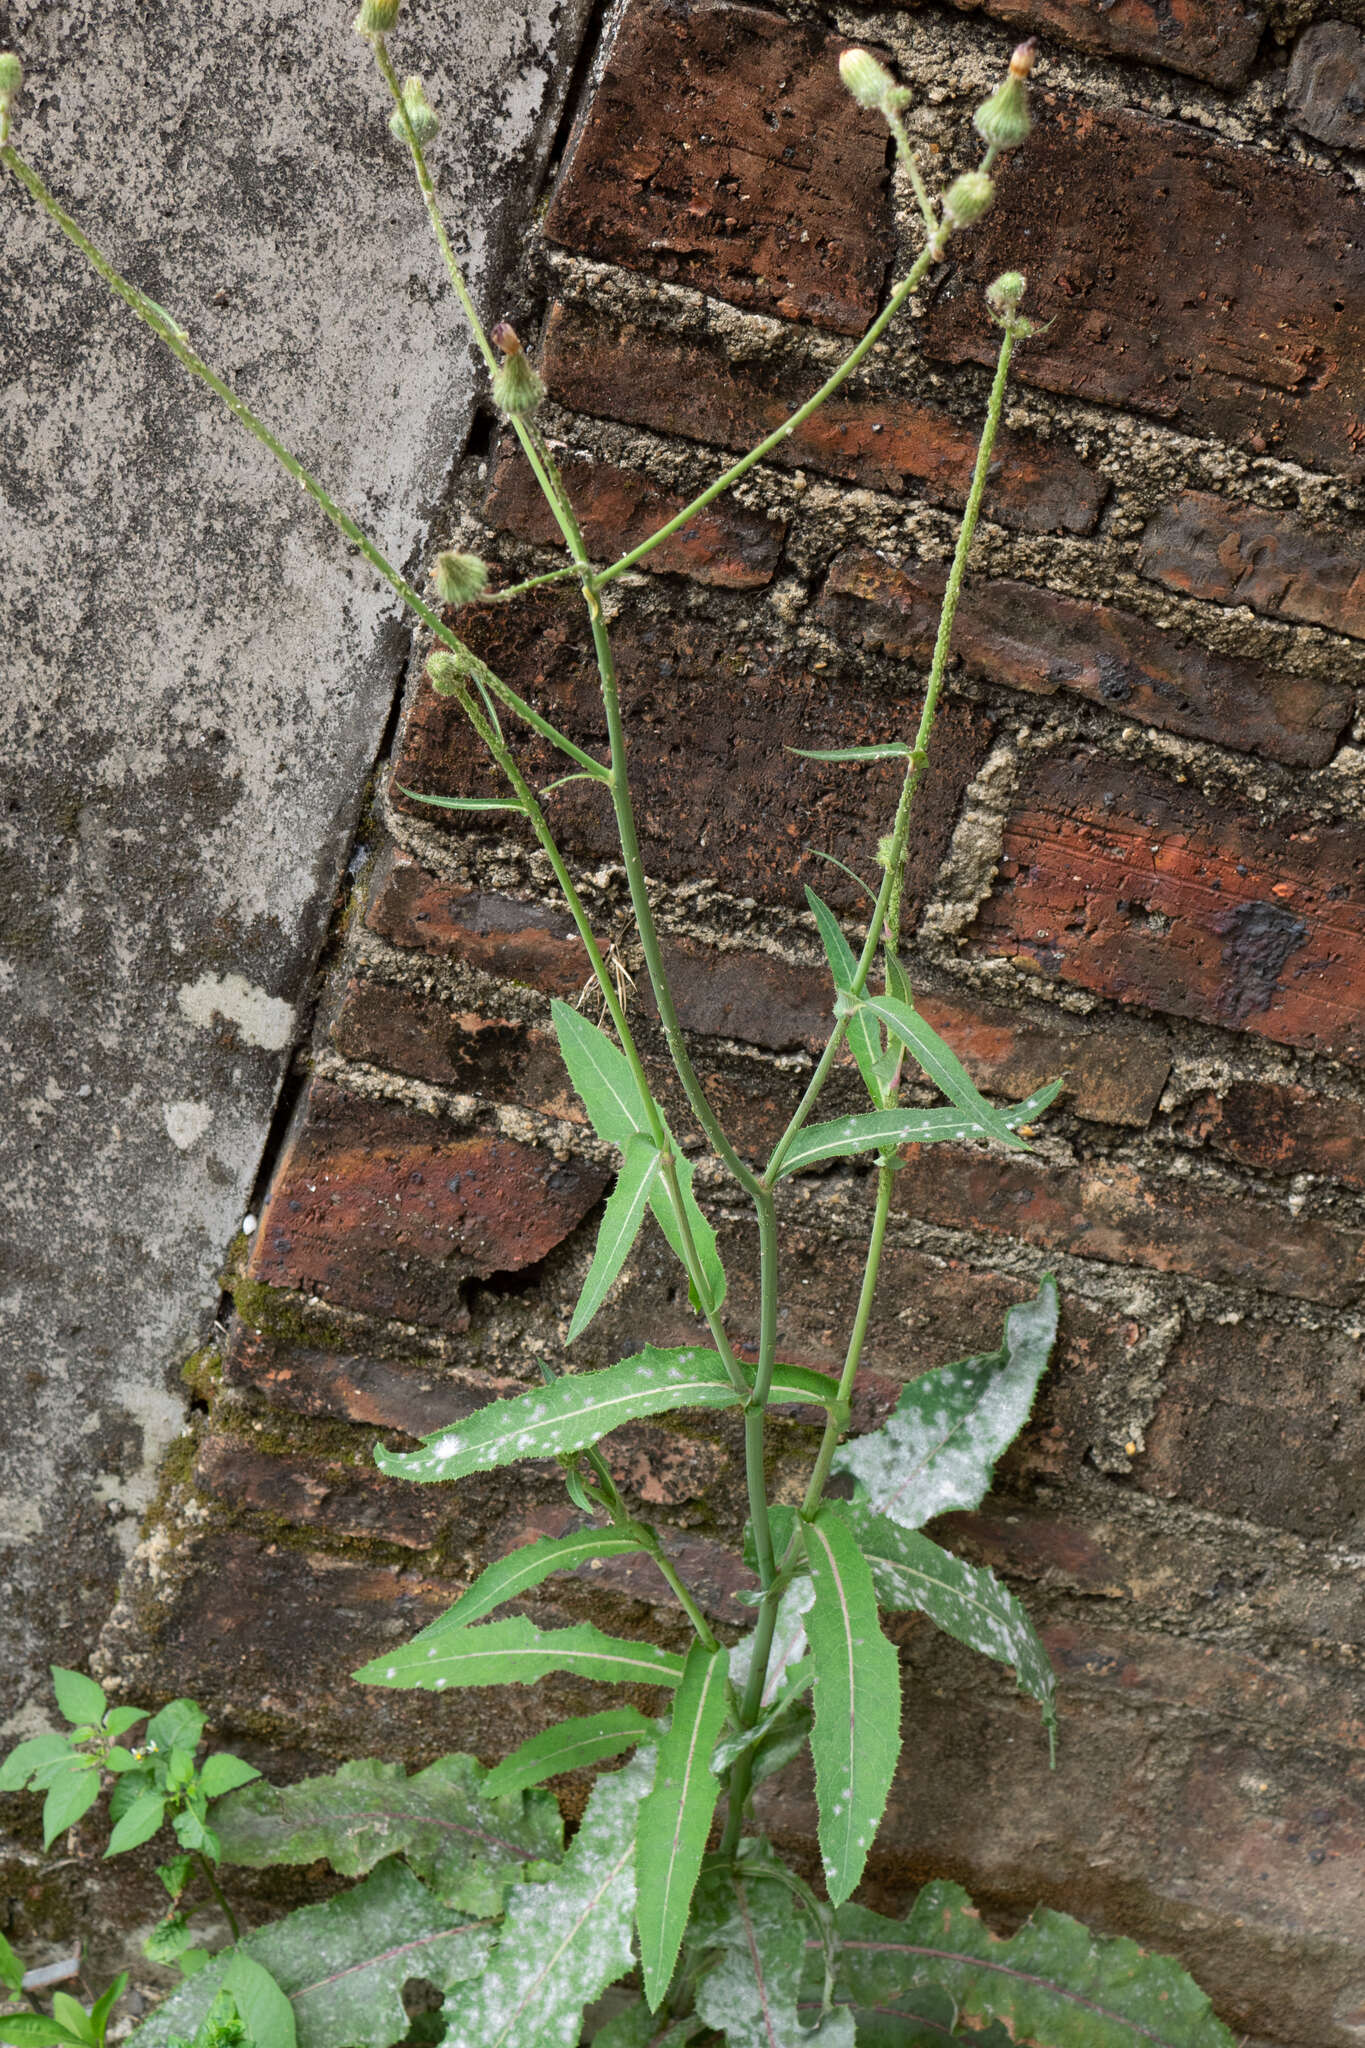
(342, 1965)
(569, 1746)
(856, 1737)
(789, 1642)
(937, 1451)
(531, 1563)
(942, 1065)
(755, 1944)
(887, 1128)
(1054, 1981)
(517, 1653)
(562, 1943)
(966, 1601)
(674, 1820)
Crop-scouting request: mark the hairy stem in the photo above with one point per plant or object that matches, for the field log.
(219, 1894)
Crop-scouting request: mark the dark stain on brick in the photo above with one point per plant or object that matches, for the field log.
(1262, 938)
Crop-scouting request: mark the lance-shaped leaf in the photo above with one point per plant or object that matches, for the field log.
(886, 1128)
(562, 1944)
(937, 1449)
(342, 1965)
(856, 1737)
(570, 1746)
(894, 750)
(942, 1066)
(521, 1569)
(863, 1036)
(612, 1096)
(755, 1936)
(466, 1842)
(670, 1837)
(518, 1653)
(459, 803)
(1053, 1981)
(964, 1600)
(539, 723)
(620, 1226)
(575, 1411)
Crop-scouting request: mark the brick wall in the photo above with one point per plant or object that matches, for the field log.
(1141, 861)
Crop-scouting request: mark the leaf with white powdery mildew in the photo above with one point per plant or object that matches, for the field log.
(517, 1653)
(511, 1576)
(674, 1820)
(964, 1600)
(569, 1746)
(937, 1450)
(1054, 1981)
(754, 1937)
(885, 1129)
(562, 1944)
(856, 1737)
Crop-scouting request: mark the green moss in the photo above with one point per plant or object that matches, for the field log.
(280, 1315)
(202, 1373)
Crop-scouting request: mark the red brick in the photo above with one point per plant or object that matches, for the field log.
(1109, 1210)
(712, 1571)
(351, 1501)
(1213, 547)
(1279, 1129)
(1267, 1424)
(416, 1396)
(868, 435)
(1211, 39)
(1118, 882)
(1024, 636)
(520, 942)
(617, 508)
(495, 1058)
(1217, 287)
(721, 151)
(381, 1208)
(711, 711)
(1326, 95)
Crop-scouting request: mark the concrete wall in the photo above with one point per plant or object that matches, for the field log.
(197, 673)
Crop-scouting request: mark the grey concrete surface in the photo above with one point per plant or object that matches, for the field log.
(196, 672)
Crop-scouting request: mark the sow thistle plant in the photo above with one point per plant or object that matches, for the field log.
(666, 1890)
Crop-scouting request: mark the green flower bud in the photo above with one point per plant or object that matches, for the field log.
(11, 74)
(517, 390)
(446, 672)
(424, 123)
(968, 197)
(376, 17)
(867, 80)
(459, 578)
(1003, 120)
(1006, 294)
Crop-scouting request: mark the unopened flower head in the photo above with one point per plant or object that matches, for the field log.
(376, 17)
(1006, 294)
(867, 80)
(517, 390)
(459, 578)
(1003, 120)
(420, 117)
(446, 672)
(968, 197)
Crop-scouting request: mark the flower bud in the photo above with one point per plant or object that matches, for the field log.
(459, 578)
(446, 672)
(420, 117)
(968, 197)
(517, 390)
(867, 80)
(376, 17)
(1003, 120)
(1006, 294)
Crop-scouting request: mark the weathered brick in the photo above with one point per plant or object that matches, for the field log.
(1211, 39)
(1122, 883)
(617, 508)
(1326, 88)
(711, 710)
(1217, 287)
(1112, 1211)
(1282, 1129)
(524, 942)
(1030, 639)
(713, 1572)
(380, 1208)
(867, 435)
(1213, 547)
(1265, 1423)
(495, 1058)
(721, 151)
(343, 1500)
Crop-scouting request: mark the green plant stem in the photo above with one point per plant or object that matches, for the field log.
(834, 1425)
(914, 276)
(219, 1894)
(892, 877)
